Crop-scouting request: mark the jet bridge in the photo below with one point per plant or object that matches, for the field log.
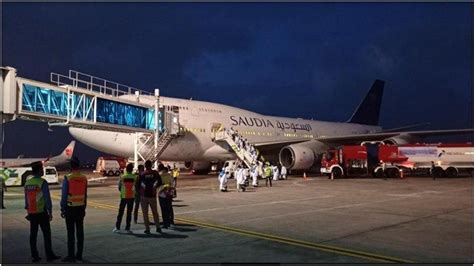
(82, 100)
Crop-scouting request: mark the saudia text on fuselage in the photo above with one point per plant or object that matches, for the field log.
(261, 122)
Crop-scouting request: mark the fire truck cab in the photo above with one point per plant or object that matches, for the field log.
(376, 159)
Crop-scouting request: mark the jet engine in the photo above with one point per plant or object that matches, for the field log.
(198, 167)
(301, 156)
(401, 139)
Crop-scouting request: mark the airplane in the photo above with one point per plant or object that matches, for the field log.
(296, 143)
(60, 159)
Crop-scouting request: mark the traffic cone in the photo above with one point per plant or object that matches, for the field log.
(401, 174)
(304, 176)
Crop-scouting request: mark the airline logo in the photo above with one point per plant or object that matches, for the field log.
(259, 122)
(68, 152)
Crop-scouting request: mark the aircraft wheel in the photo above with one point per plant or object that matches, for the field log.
(110, 173)
(336, 172)
(451, 172)
(117, 173)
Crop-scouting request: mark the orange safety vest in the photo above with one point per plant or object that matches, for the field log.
(34, 195)
(76, 194)
(127, 190)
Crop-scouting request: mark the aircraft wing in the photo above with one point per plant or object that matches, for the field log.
(384, 135)
(349, 139)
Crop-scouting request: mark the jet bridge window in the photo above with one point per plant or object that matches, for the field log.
(124, 114)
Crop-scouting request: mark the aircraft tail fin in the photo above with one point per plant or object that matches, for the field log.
(368, 111)
(68, 151)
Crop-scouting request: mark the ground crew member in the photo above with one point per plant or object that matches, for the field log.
(268, 174)
(165, 196)
(40, 212)
(126, 186)
(73, 209)
(149, 181)
(175, 174)
(3, 187)
(137, 204)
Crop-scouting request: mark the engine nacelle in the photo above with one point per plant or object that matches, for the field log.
(400, 140)
(301, 156)
(198, 166)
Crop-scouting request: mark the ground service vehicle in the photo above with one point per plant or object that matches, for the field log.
(438, 159)
(108, 167)
(376, 159)
(17, 176)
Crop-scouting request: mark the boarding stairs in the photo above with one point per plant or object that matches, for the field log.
(245, 156)
(146, 145)
(151, 146)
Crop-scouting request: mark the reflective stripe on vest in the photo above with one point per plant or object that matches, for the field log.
(34, 195)
(76, 195)
(127, 190)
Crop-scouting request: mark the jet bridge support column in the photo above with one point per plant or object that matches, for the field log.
(8, 95)
(157, 125)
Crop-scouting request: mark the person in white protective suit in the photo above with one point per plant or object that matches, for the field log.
(240, 179)
(276, 173)
(283, 172)
(223, 180)
(254, 175)
(246, 174)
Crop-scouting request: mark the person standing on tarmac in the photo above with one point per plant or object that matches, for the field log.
(126, 187)
(268, 174)
(175, 174)
(165, 196)
(73, 209)
(40, 212)
(149, 181)
(254, 176)
(276, 173)
(136, 206)
(223, 180)
(3, 188)
(283, 172)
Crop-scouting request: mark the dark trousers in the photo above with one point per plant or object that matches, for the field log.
(75, 228)
(135, 208)
(268, 179)
(129, 204)
(1, 191)
(40, 220)
(166, 205)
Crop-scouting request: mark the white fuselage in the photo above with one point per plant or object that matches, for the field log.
(198, 118)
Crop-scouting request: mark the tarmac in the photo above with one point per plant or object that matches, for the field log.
(313, 220)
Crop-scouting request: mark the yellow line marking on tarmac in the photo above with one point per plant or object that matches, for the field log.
(280, 239)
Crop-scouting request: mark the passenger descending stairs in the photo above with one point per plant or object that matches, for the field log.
(245, 156)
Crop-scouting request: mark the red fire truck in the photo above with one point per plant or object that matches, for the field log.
(376, 159)
(381, 160)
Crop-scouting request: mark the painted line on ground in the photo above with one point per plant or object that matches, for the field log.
(274, 238)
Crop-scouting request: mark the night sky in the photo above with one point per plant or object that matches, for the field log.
(308, 60)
